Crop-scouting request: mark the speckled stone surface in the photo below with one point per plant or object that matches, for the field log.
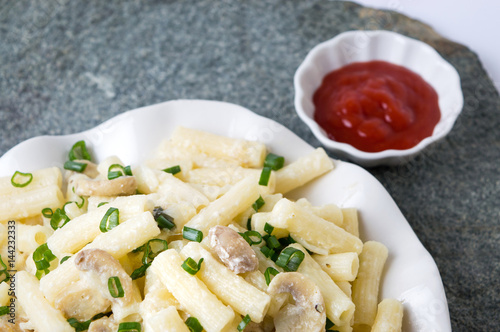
(66, 66)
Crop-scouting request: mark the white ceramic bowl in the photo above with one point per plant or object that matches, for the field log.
(358, 46)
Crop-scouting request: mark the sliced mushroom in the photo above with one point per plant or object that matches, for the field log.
(308, 313)
(124, 185)
(99, 266)
(81, 302)
(232, 249)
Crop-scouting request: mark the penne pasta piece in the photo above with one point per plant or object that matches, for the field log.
(340, 267)
(166, 320)
(31, 237)
(30, 203)
(85, 228)
(366, 286)
(40, 313)
(351, 221)
(174, 190)
(302, 171)
(313, 232)
(41, 178)
(389, 316)
(246, 153)
(192, 294)
(221, 211)
(229, 287)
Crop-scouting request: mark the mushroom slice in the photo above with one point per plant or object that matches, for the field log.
(81, 302)
(124, 185)
(98, 266)
(232, 249)
(308, 313)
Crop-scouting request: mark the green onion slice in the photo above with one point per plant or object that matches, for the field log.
(79, 152)
(329, 324)
(249, 236)
(258, 203)
(58, 219)
(110, 220)
(268, 228)
(272, 242)
(79, 326)
(173, 170)
(164, 220)
(129, 327)
(264, 176)
(42, 257)
(190, 265)
(273, 161)
(244, 322)
(152, 249)
(290, 259)
(115, 287)
(270, 270)
(20, 179)
(101, 204)
(194, 325)
(268, 252)
(64, 259)
(47, 212)
(192, 234)
(4, 310)
(249, 224)
(140, 272)
(75, 166)
(4, 274)
(117, 170)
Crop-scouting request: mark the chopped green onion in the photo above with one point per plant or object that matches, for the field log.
(47, 212)
(329, 324)
(4, 274)
(290, 259)
(75, 166)
(20, 179)
(129, 327)
(110, 220)
(79, 152)
(286, 241)
(79, 326)
(268, 252)
(244, 322)
(140, 272)
(173, 170)
(264, 176)
(58, 219)
(101, 204)
(190, 265)
(249, 224)
(117, 170)
(164, 220)
(270, 270)
(4, 310)
(115, 287)
(192, 234)
(273, 161)
(152, 250)
(64, 259)
(258, 203)
(272, 242)
(248, 235)
(42, 257)
(194, 325)
(268, 228)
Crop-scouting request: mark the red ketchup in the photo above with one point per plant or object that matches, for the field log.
(376, 106)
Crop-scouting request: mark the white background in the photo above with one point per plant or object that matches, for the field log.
(474, 23)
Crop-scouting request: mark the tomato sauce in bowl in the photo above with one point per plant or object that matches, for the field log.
(376, 106)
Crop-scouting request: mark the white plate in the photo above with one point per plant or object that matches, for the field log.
(410, 274)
